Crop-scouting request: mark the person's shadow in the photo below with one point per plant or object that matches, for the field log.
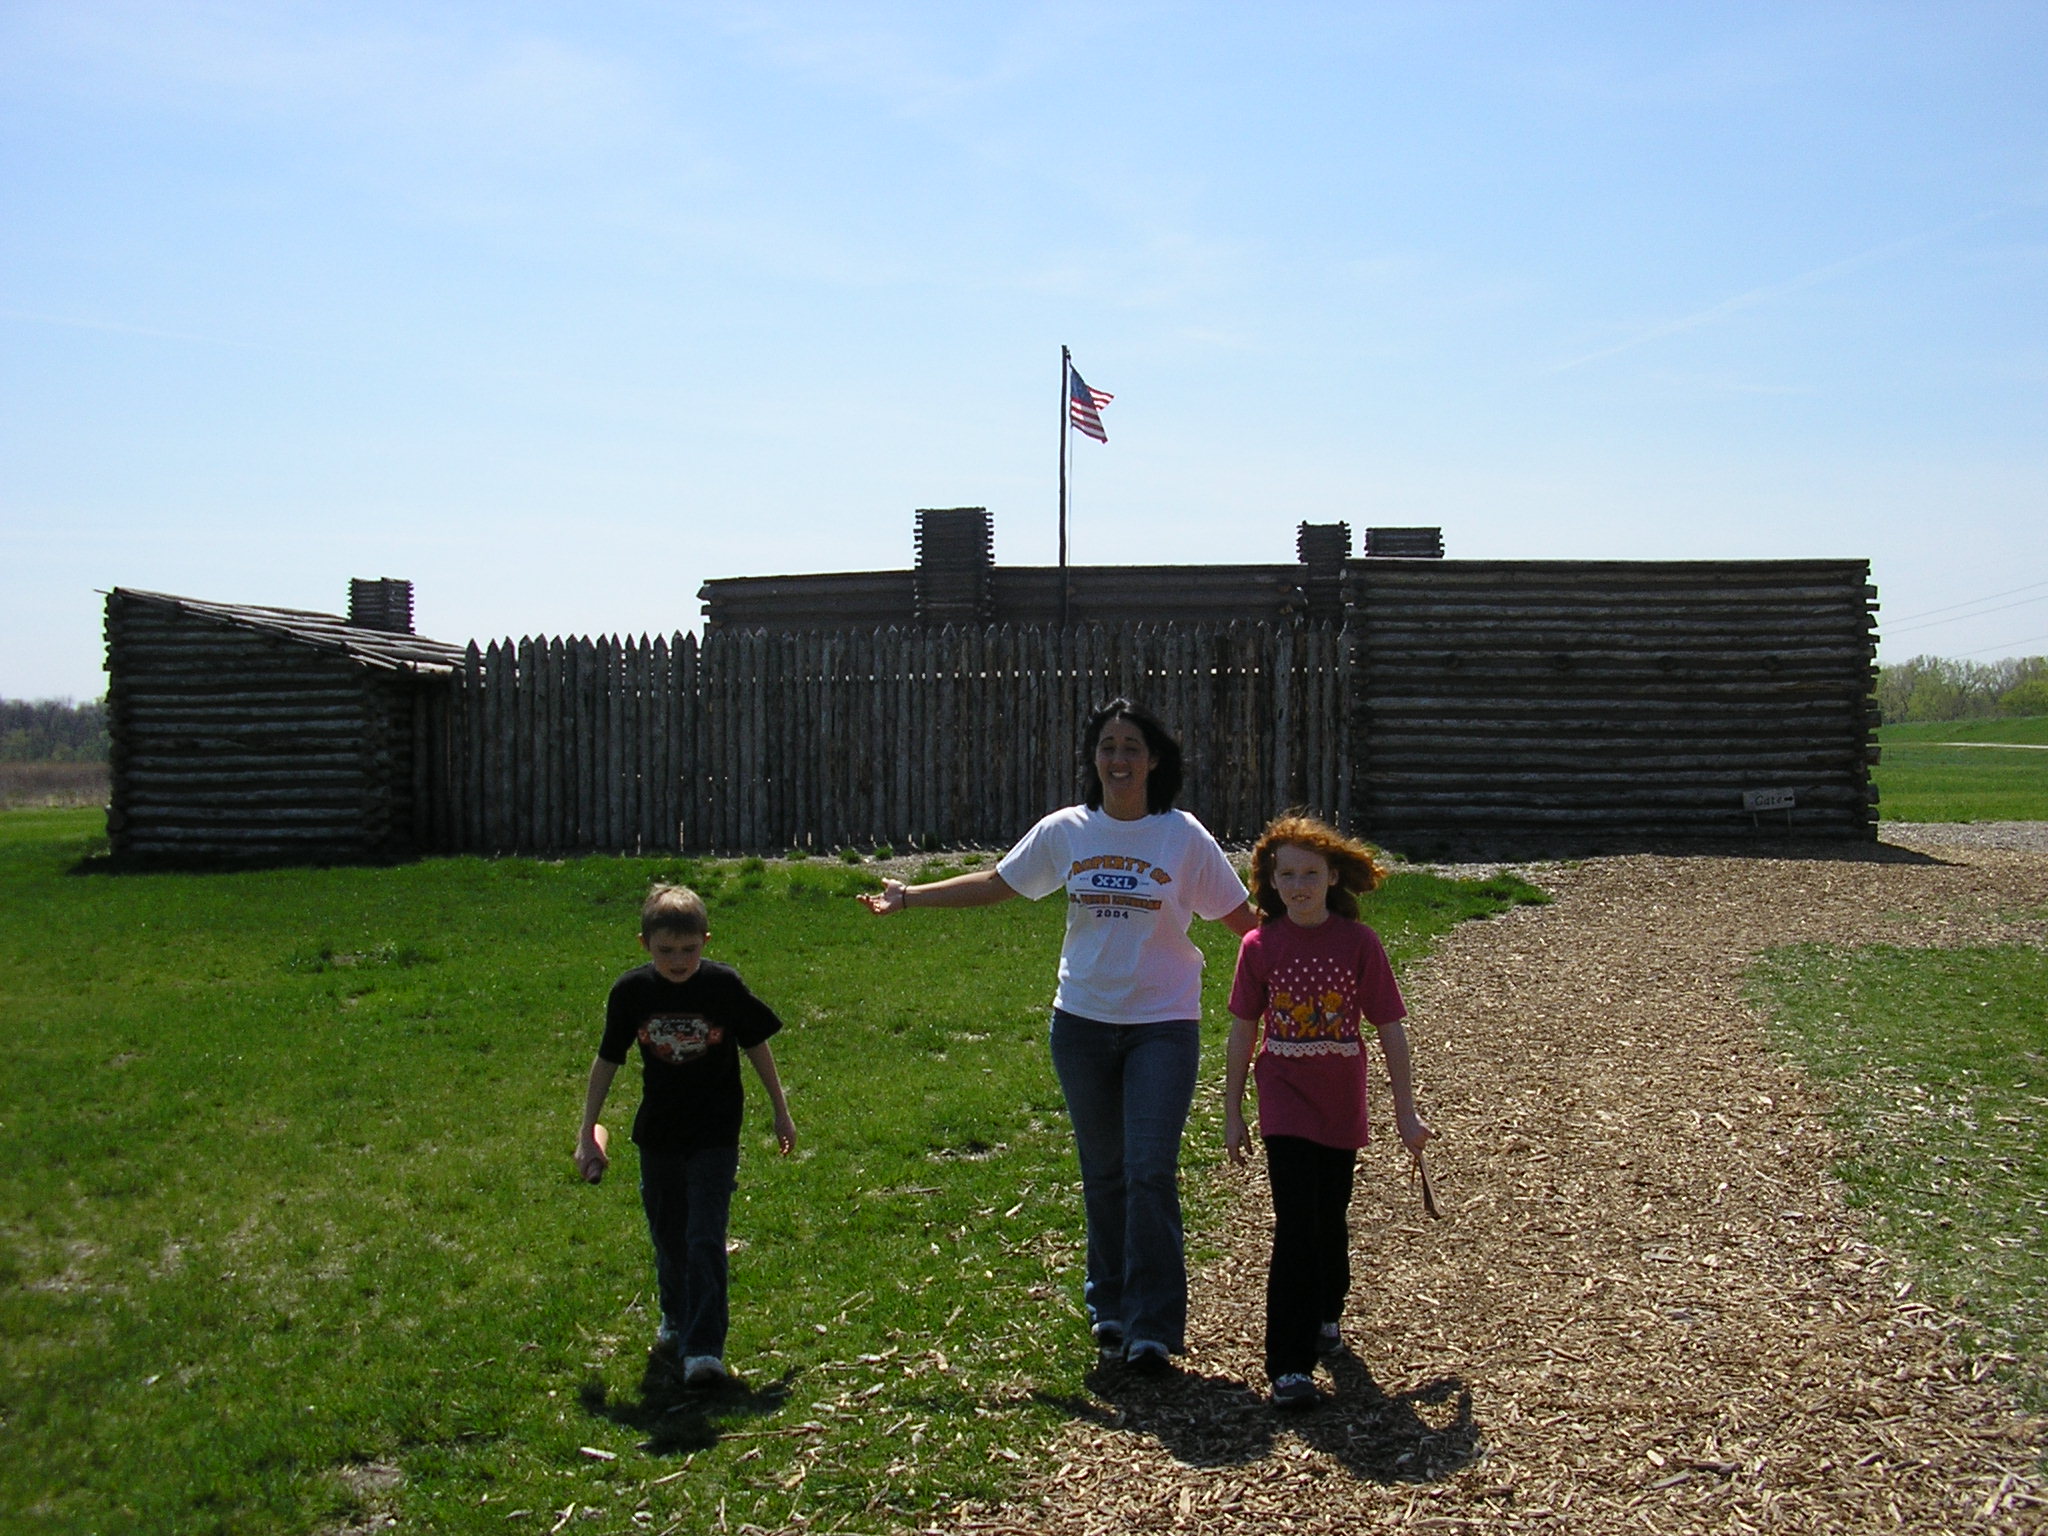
(677, 1419)
(1422, 1434)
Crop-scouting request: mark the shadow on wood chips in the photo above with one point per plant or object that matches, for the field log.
(1417, 1436)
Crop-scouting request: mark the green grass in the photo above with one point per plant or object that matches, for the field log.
(1919, 779)
(1939, 1064)
(289, 1198)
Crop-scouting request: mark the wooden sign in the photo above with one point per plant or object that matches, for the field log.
(1767, 800)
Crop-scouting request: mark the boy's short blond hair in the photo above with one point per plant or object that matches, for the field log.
(673, 909)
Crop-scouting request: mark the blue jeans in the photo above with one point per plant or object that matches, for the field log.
(1128, 1088)
(688, 1198)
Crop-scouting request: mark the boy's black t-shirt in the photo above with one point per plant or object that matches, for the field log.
(690, 1035)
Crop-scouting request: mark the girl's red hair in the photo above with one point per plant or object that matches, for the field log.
(1357, 868)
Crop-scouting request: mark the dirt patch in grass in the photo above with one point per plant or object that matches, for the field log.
(1648, 1307)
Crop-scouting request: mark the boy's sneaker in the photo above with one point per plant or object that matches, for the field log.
(1109, 1342)
(704, 1371)
(1329, 1339)
(1294, 1391)
(1147, 1358)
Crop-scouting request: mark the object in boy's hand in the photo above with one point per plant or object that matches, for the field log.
(593, 1168)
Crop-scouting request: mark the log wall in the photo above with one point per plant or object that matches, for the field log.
(1593, 704)
(754, 741)
(232, 744)
(1027, 596)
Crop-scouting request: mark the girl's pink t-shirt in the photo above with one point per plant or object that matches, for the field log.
(1308, 988)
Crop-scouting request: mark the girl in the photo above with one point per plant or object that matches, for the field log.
(1125, 1039)
(1308, 974)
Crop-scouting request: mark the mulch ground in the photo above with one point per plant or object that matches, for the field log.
(1647, 1307)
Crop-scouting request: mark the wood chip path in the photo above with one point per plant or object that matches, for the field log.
(1648, 1308)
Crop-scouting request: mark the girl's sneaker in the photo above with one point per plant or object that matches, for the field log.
(1109, 1342)
(1294, 1392)
(1329, 1339)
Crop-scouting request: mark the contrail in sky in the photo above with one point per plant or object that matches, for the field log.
(1766, 294)
(138, 330)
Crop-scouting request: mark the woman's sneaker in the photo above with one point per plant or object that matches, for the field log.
(1329, 1339)
(1147, 1358)
(1109, 1342)
(1295, 1391)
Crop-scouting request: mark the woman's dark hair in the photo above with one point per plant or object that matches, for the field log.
(1161, 784)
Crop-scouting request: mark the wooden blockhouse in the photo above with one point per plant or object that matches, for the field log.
(265, 734)
(1586, 704)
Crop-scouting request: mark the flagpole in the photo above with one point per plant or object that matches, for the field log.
(1066, 387)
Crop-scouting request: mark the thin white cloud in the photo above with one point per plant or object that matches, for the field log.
(432, 88)
(864, 52)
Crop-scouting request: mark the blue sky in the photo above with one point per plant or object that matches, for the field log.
(560, 309)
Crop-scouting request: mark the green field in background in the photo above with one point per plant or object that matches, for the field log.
(1920, 778)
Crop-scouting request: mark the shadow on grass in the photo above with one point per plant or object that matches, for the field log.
(106, 863)
(677, 1419)
(1417, 1436)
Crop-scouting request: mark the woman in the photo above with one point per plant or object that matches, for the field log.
(1125, 1032)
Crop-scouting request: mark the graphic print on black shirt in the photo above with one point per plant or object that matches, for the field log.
(679, 1037)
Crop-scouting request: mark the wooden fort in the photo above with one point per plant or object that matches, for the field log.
(1434, 705)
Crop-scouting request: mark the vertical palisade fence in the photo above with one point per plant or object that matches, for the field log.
(753, 741)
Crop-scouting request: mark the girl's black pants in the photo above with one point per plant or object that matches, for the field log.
(1311, 1269)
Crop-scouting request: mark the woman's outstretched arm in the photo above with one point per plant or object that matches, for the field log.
(983, 888)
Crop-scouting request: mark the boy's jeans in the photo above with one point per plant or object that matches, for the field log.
(688, 1196)
(1128, 1088)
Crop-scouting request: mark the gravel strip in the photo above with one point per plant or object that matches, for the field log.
(2027, 836)
(1648, 1308)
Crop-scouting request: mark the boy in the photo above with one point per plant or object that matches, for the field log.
(692, 1018)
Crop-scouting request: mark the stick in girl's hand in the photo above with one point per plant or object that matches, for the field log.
(1428, 1194)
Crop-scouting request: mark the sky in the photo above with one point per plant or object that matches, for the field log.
(560, 309)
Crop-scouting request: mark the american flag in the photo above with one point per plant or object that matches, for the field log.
(1084, 406)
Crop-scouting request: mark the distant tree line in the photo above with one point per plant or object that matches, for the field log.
(1935, 688)
(52, 731)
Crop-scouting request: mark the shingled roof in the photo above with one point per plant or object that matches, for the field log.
(323, 631)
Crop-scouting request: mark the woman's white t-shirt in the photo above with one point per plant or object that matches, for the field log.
(1132, 889)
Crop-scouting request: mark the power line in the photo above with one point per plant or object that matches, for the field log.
(1907, 618)
(1900, 629)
